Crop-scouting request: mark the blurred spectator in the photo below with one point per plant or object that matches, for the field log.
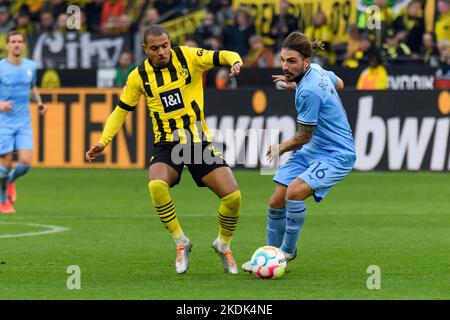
(430, 52)
(444, 50)
(410, 20)
(353, 41)
(282, 24)
(395, 49)
(123, 70)
(208, 28)
(124, 24)
(319, 30)
(258, 55)
(442, 26)
(375, 76)
(111, 11)
(66, 24)
(93, 15)
(361, 55)
(56, 7)
(61, 23)
(136, 10)
(277, 59)
(23, 22)
(236, 36)
(6, 24)
(46, 22)
(191, 42)
(213, 43)
(224, 81)
(83, 23)
(222, 10)
(151, 17)
(377, 35)
(442, 80)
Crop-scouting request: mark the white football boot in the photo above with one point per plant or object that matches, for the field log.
(247, 266)
(290, 256)
(182, 261)
(229, 265)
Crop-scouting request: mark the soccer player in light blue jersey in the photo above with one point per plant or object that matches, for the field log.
(17, 78)
(324, 151)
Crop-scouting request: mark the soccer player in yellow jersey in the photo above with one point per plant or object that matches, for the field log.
(171, 81)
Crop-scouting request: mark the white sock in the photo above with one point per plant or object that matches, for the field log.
(222, 245)
(181, 240)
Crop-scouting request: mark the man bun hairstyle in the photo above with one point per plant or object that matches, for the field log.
(299, 42)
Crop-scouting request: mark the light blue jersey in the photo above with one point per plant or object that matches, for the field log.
(15, 125)
(330, 155)
(318, 103)
(15, 85)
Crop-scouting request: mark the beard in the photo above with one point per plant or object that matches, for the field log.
(289, 76)
(17, 53)
(295, 77)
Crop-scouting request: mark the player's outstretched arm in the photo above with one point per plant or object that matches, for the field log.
(112, 127)
(41, 106)
(94, 151)
(128, 100)
(236, 69)
(280, 80)
(208, 59)
(231, 58)
(302, 136)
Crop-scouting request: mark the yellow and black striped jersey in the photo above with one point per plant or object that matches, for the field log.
(174, 93)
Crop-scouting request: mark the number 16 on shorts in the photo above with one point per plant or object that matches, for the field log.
(319, 173)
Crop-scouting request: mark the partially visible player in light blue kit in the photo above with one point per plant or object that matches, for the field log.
(17, 78)
(324, 148)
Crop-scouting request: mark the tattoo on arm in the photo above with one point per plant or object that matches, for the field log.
(304, 133)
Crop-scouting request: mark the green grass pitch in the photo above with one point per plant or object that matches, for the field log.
(397, 221)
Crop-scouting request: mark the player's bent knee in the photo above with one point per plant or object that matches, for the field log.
(159, 190)
(277, 202)
(298, 191)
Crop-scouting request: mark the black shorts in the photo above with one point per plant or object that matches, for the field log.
(200, 158)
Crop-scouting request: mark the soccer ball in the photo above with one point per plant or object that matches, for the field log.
(268, 263)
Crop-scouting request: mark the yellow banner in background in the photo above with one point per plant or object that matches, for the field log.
(182, 27)
(75, 120)
(339, 13)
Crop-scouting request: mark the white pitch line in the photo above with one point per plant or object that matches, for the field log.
(188, 215)
(51, 229)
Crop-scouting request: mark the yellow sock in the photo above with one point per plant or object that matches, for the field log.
(229, 210)
(163, 204)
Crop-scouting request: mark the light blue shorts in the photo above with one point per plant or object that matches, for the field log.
(13, 139)
(319, 174)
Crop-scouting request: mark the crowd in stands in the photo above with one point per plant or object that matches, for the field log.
(400, 39)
